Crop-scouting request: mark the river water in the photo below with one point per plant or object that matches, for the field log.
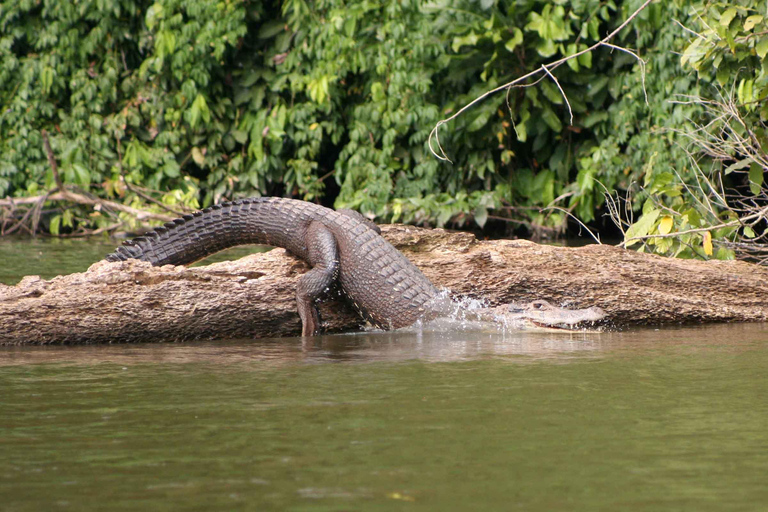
(642, 419)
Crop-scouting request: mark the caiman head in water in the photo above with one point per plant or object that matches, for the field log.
(541, 314)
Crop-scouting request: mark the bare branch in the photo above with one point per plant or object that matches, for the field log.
(52, 161)
(570, 112)
(642, 66)
(81, 199)
(596, 237)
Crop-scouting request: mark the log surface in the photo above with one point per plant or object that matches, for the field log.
(254, 297)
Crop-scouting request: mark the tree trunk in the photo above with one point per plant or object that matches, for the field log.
(254, 296)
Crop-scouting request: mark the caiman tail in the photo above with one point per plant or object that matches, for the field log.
(270, 221)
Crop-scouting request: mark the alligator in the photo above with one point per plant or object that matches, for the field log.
(343, 247)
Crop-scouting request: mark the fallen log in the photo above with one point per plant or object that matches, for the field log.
(254, 297)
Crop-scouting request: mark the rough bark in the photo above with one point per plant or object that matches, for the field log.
(254, 296)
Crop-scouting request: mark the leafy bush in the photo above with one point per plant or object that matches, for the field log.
(721, 207)
(334, 101)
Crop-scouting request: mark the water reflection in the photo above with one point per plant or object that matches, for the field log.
(414, 344)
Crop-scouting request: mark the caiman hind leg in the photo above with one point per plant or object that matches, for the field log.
(324, 258)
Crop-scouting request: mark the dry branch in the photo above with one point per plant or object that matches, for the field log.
(254, 297)
(62, 192)
(88, 201)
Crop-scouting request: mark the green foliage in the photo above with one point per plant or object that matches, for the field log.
(727, 47)
(212, 100)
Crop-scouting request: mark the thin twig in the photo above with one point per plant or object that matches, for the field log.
(642, 66)
(596, 237)
(52, 161)
(689, 30)
(570, 112)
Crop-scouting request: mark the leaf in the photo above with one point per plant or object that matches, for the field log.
(537, 23)
(755, 178)
(154, 13)
(319, 88)
(744, 91)
(544, 186)
(552, 92)
(198, 110)
(443, 217)
(349, 26)
(552, 120)
(641, 227)
(693, 217)
(240, 136)
(749, 232)
(585, 179)
(480, 121)
(81, 174)
(706, 243)
(171, 168)
(573, 63)
(659, 180)
(515, 40)
(198, 156)
(466, 40)
(67, 219)
(597, 85)
(271, 29)
(521, 130)
(546, 48)
(725, 254)
(663, 245)
(481, 215)
(665, 225)
(54, 225)
(738, 165)
(249, 79)
(762, 47)
(165, 44)
(585, 59)
(377, 91)
(723, 75)
(727, 16)
(594, 118)
(46, 79)
(751, 21)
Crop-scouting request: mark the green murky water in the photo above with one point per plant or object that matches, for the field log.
(673, 419)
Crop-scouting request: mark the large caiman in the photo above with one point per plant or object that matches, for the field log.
(342, 247)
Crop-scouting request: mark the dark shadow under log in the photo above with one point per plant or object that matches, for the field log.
(254, 296)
